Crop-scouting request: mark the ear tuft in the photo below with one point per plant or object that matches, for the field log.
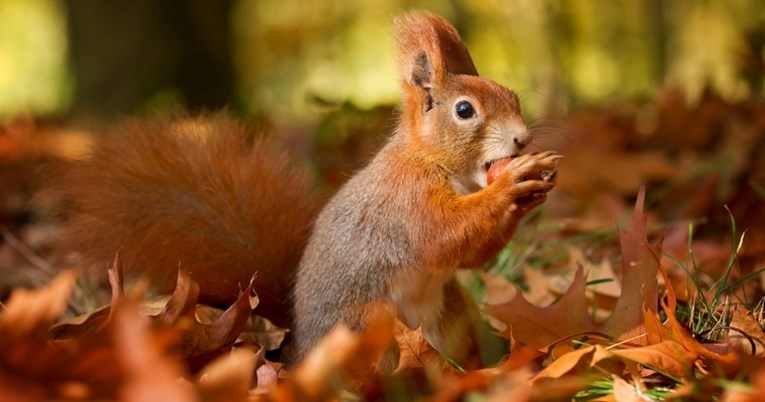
(427, 48)
(422, 71)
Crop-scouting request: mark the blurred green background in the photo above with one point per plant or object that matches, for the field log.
(291, 60)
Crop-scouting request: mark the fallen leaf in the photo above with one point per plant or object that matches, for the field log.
(92, 321)
(540, 327)
(743, 320)
(258, 330)
(341, 360)
(639, 285)
(626, 392)
(268, 375)
(667, 357)
(229, 377)
(538, 284)
(150, 373)
(748, 393)
(730, 362)
(182, 301)
(29, 313)
(121, 357)
(577, 362)
(414, 350)
(200, 343)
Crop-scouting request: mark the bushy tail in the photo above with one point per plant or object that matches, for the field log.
(200, 193)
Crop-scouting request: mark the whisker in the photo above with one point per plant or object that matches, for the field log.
(535, 146)
(524, 93)
(551, 127)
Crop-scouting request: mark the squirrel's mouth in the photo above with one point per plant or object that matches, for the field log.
(487, 165)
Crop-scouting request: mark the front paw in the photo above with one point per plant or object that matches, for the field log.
(530, 177)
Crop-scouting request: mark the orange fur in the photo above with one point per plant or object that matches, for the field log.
(201, 194)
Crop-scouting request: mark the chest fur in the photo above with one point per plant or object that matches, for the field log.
(419, 295)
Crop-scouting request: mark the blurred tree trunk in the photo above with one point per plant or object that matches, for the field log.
(124, 53)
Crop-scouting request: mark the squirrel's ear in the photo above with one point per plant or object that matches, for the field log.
(427, 48)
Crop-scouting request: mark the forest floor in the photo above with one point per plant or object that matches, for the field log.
(641, 278)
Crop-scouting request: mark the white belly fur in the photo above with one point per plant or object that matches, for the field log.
(420, 299)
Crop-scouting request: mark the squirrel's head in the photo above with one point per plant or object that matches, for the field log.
(464, 122)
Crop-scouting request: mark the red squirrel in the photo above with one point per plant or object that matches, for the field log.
(193, 192)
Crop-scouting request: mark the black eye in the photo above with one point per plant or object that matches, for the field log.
(464, 110)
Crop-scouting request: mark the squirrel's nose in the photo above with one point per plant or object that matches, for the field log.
(522, 138)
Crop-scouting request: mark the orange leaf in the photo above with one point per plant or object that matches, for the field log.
(729, 362)
(29, 313)
(575, 362)
(149, 372)
(667, 357)
(656, 332)
(229, 377)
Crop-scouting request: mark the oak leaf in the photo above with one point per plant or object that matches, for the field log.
(540, 327)
(640, 289)
(414, 349)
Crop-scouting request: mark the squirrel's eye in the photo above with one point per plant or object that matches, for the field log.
(464, 110)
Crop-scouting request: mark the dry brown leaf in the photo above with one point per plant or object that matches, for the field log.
(513, 386)
(593, 361)
(577, 362)
(743, 320)
(29, 313)
(498, 290)
(667, 357)
(605, 294)
(454, 386)
(80, 325)
(602, 296)
(753, 393)
(414, 350)
(33, 368)
(150, 374)
(229, 377)
(258, 330)
(540, 327)
(183, 300)
(639, 285)
(121, 356)
(656, 332)
(626, 392)
(341, 360)
(93, 320)
(268, 375)
(521, 357)
(200, 343)
(729, 362)
(538, 284)
(261, 331)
